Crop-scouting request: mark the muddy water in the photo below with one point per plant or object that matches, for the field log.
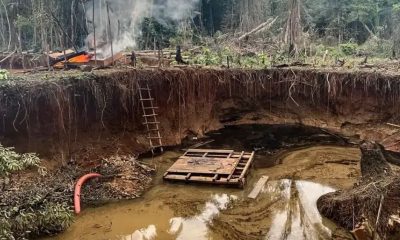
(285, 209)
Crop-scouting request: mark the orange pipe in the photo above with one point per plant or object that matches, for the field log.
(77, 194)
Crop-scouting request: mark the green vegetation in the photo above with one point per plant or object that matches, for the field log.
(3, 74)
(10, 161)
(35, 218)
(154, 31)
(31, 214)
(348, 25)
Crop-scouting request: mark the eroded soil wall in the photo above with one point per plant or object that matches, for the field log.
(52, 113)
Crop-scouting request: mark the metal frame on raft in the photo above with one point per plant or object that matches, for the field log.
(223, 167)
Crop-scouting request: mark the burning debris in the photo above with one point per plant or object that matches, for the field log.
(111, 28)
(76, 59)
(62, 60)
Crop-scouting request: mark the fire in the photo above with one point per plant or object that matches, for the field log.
(84, 58)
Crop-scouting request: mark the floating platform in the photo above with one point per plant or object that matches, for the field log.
(223, 167)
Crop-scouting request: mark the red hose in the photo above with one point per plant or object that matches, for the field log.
(77, 195)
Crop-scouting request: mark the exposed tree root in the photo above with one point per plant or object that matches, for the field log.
(379, 189)
(60, 107)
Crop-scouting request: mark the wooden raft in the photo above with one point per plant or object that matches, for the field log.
(225, 167)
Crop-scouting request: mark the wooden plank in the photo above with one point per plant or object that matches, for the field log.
(188, 176)
(208, 155)
(209, 150)
(201, 179)
(153, 137)
(258, 187)
(146, 99)
(203, 165)
(240, 158)
(225, 155)
(246, 168)
(146, 123)
(193, 155)
(106, 62)
(215, 177)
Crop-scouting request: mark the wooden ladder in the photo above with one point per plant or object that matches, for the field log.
(150, 117)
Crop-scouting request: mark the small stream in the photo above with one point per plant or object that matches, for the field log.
(285, 209)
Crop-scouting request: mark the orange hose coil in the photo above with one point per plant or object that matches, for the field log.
(78, 186)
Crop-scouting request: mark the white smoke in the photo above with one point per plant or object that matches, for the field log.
(126, 17)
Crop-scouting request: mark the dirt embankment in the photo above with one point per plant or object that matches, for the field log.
(78, 116)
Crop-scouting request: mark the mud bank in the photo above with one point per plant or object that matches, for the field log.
(55, 113)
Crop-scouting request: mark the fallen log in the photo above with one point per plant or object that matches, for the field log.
(8, 56)
(264, 26)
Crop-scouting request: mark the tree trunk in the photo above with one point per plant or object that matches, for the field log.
(293, 27)
(3, 31)
(373, 161)
(72, 21)
(361, 204)
(9, 26)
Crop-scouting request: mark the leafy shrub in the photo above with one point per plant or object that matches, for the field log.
(3, 74)
(10, 161)
(348, 48)
(33, 220)
(208, 58)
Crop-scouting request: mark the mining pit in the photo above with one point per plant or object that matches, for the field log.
(315, 133)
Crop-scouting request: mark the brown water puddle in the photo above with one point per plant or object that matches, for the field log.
(286, 208)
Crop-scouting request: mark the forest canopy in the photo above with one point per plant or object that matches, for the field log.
(42, 25)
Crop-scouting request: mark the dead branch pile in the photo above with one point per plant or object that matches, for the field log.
(375, 200)
(16, 60)
(123, 178)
